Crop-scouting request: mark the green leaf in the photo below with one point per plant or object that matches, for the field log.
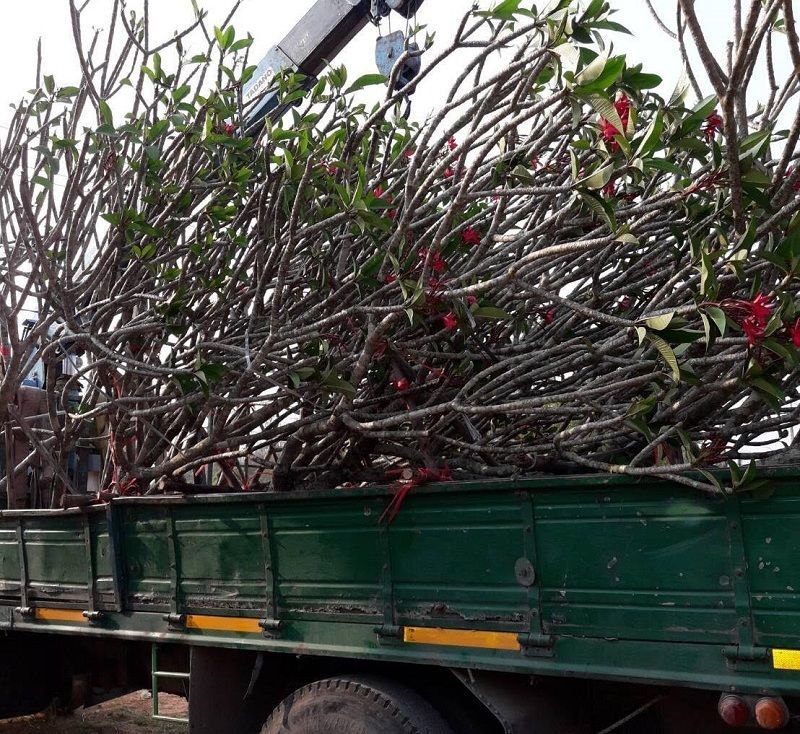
(768, 390)
(490, 312)
(659, 323)
(242, 43)
(665, 350)
(641, 81)
(181, 92)
(335, 383)
(67, 92)
(608, 74)
(718, 317)
(49, 83)
(106, 117)
(505, 10)
(598, 178)
(367, 80)
(652, 136)
(790, 247)
(224, 36)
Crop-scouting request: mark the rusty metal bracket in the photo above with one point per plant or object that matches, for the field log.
(271, 627)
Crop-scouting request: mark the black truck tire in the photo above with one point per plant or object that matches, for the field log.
(355, 705)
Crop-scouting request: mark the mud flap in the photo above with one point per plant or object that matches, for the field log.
(218, 686)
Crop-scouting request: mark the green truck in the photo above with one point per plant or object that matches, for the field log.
(547, 605)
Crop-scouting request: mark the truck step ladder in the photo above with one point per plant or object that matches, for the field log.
(156, 674)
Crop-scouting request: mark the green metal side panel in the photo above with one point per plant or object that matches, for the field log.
(599, 576)
(633, 564)
(452, 562)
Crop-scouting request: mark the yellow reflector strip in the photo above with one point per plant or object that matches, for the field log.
(223, 624)
(59, 615)
(786, 659)
(461, 638)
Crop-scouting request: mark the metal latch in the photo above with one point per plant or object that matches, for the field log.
(746, 654)
(27, 612)
(389, 633)
(93, 617)
(271, 627)
(175, 620)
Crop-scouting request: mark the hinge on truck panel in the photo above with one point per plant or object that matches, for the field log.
(536, 645)
(271, 627)
(25, 611)
(175, 620)
(389, 633)
(746, 654)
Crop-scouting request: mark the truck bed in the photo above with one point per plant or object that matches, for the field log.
(595, 576)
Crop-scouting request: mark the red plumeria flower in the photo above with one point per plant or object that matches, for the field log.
(451, 143)
(610, 189)
(535, 161)
(753, 329)
(794, 333)
(391, 215)
(229, 128)
(437, 263)
(624, 303)
(400, 384)
(377, 192)
(408, 153)
(5, 351)
(609, 133)
(550, 315)
(470, 236)
(712, 125)
(623, 107)
(472, 300)
(761, 307)
(389, 278)
(449, 172)
(449, 321)
(330, 169)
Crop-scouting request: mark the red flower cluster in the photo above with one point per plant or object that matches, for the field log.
(449, 321)
(438, 263)
(712, 125)
(793, 331)
(449, 172)
(470, 236)
(608, 130)
(609, 190)
(229, 128)
(753, 315)
(550, 315)
(378, 193)
(400, 384)
(451, 143)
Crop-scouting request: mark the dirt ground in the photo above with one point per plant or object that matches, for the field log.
(130, 714)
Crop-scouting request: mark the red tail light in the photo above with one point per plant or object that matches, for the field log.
(734, 710)
(771, 713)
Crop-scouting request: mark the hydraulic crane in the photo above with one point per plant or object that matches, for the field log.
(318, 37)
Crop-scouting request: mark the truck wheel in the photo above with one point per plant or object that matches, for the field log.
(355, 705)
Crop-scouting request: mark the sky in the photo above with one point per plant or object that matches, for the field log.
(269, 20)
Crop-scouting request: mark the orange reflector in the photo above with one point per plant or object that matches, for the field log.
(223, 624)
(771, 713)
(461, 638)
(48, 614)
